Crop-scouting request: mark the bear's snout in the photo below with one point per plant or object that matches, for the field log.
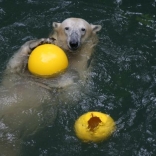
(74, 41)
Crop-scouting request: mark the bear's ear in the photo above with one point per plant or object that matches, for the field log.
(96, 28)
(56, 25)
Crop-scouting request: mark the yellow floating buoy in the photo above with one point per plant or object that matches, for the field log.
(94, 127)
(47, 60)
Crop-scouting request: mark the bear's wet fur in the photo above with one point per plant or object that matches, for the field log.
(24, 96)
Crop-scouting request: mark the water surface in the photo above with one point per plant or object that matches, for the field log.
(123, 78)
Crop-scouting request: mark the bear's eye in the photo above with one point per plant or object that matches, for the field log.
(66, 28)
(83, 29)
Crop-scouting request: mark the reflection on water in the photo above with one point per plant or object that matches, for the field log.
(123, 75)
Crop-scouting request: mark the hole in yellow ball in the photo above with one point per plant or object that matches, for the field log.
(93, 122)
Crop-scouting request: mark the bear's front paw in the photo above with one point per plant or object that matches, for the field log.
(41, 41)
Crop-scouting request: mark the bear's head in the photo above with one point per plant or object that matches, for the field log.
(75, 33)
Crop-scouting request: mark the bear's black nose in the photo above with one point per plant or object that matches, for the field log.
(73, 44)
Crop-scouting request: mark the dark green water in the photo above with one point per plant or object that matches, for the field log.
(123, 78)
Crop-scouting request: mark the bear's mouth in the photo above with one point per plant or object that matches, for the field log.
(73, 46)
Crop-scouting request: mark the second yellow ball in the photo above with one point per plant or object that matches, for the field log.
(94, 127)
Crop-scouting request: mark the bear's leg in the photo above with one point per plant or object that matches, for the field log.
(19, 60)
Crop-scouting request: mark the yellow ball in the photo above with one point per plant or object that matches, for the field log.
(47, 60)
(94, 127)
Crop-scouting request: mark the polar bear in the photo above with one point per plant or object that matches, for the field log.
(27, 102)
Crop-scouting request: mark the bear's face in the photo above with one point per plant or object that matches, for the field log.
(73, 33)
